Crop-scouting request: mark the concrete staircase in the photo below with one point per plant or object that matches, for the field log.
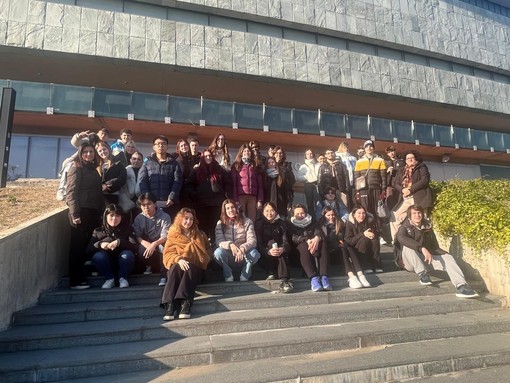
(395, 331)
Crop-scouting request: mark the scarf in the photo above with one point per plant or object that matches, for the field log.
(406, 180)
(303, 222)
(272, 172)
(246, 160)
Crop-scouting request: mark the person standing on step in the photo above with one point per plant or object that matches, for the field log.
(236, 242)
(118, 148)
(194, 145)
(362, 236)
(112, 248)
(186, 256)
(273, 246)
(308, 173)
(333, 229)
(416, 249)
(151, 229)
(393, 165)
(349, 161)
(307, 238)
(333, 173)
(219, 149)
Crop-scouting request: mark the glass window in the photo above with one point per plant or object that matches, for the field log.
(306, 121)
(501, 78)
(188, 17)
(68, 2)
(264, 29)
(42, 157)
(381, 129)
(278, 119)
(444, 134)
(112, 103)
(415, 59)
(18, 157)
(145, 9)
(403, 131)
(495, 172)
(107, 5)
(227, 23)
(506, 140)
(358, 126)
(186, 110)
(425, 134)
(249, 116)
(462, 138)
(3, 84)
(65, 150)
(332, 42)
(479, 138)
(219, 113)
(367, 49)
(389, 53)
(439, 64)
(304, 37)
(496, 141)
(72, 99)
(333, 124)
(483, 74)
(464, 69)
(32, 96)
(152, 107)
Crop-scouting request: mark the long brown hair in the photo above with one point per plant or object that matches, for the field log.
(79, 162)
(213, 147)
(238, 163)
(224, 218)
(339, 224)
(212, 170)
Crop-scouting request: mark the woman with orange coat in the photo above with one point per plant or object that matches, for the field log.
(186, 255)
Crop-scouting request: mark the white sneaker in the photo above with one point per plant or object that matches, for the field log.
(364, 281)
(148, 270)
(242, 278)
(369, 271)
(229, 279)
(108, 284)
(354, 283)
(382, 241)
(162, 282)
(123, 283)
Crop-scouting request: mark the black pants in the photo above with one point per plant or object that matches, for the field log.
(350, 259)
(181, 284)
(207, 217)
(308, 261)
(277, 265)
(80, 238)
(311, 195)
(369, 199)
(369, 252)
(155, 261)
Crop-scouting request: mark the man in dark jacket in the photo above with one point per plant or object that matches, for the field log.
(162, 176)
(416, 247)
(333, 173)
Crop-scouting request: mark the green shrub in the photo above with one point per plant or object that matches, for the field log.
(478, 210)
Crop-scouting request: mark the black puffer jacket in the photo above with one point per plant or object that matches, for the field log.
(123, 232)
(163, 179)
(269, 233)
(354, 230)
(207, 192)
(326, 177)
(298, 234)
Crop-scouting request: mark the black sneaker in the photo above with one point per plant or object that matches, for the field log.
(286, 286)
(169, 312)
(185, 310)
(80, 286)
(425, 279)
(464, 291)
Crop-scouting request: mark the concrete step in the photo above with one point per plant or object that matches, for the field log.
(96, 332)
(127, 306)
(414, 343)
(474, 359)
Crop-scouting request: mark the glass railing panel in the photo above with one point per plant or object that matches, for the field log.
(333, 124)
(151, 107)
(18, 157)
(462, 138)
(72, 99)
(249, 116)
(403, 131)
(444, 135)
(278, 119)
(42, 161)
(380, 128)
(479, 139)
(32, 96)
(496, 141)
(424, 133)
(112, 103)
(306, 121)
(3, 84)
(357, 126)
(220, 113)
(186, 110)
(506, 140)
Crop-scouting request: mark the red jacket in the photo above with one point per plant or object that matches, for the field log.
(247, 181)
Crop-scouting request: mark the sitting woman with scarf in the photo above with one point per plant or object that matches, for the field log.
(186, 255)
(331, 201)
(276, 188)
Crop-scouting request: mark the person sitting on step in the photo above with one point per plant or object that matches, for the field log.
(186, 255)
(416, 247)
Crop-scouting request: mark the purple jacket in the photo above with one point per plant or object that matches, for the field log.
(247, 181)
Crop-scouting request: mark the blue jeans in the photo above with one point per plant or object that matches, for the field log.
(104, 263)
(225, 258)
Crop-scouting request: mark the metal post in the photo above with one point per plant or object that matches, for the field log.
(6, 116)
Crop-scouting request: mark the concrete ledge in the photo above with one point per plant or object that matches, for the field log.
(33, 257)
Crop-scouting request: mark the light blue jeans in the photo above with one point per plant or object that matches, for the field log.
(225, 258)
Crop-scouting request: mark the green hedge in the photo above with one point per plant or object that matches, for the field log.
(478, 210)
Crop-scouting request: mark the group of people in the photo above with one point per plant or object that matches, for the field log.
(175, 212)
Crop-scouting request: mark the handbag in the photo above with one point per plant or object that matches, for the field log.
(361, 183)
(382, 209)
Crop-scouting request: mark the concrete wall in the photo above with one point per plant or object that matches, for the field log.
(445, 28)
(32, 259)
